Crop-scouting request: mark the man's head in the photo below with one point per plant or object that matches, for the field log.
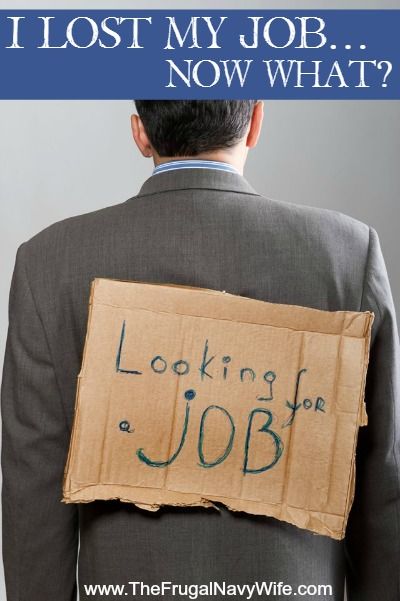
(217, 129)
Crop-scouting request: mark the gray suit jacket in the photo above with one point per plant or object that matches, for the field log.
(210, 229)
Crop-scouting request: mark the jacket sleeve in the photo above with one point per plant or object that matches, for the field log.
(372, 541)
(40, 533)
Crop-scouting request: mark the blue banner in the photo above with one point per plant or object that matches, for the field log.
(202, 54)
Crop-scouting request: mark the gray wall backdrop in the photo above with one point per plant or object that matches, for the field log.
(59, 159)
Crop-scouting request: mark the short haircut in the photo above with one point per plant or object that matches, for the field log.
(190, 127)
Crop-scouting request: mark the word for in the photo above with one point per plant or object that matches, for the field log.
(307, 404)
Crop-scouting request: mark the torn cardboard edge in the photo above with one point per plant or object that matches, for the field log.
(305, 519)
(115, 293)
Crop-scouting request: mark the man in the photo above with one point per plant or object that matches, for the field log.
(195, 221)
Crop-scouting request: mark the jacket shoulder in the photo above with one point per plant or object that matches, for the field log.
(327, 230)
(72, 233)
(327, 219)
(323, 250)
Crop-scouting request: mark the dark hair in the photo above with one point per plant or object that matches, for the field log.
(190, 127)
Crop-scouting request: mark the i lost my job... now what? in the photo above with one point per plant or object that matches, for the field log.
(167, 36)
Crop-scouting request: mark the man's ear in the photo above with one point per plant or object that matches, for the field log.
(255, 124)
(140, 136)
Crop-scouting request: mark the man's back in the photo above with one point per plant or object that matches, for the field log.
(208, 229)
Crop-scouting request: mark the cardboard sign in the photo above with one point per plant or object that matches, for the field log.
(189, 396)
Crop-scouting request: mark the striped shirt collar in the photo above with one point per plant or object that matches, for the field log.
(194, 164)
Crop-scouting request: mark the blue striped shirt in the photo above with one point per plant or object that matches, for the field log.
(194, 164)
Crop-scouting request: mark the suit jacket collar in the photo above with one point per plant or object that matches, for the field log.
(185, 179)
